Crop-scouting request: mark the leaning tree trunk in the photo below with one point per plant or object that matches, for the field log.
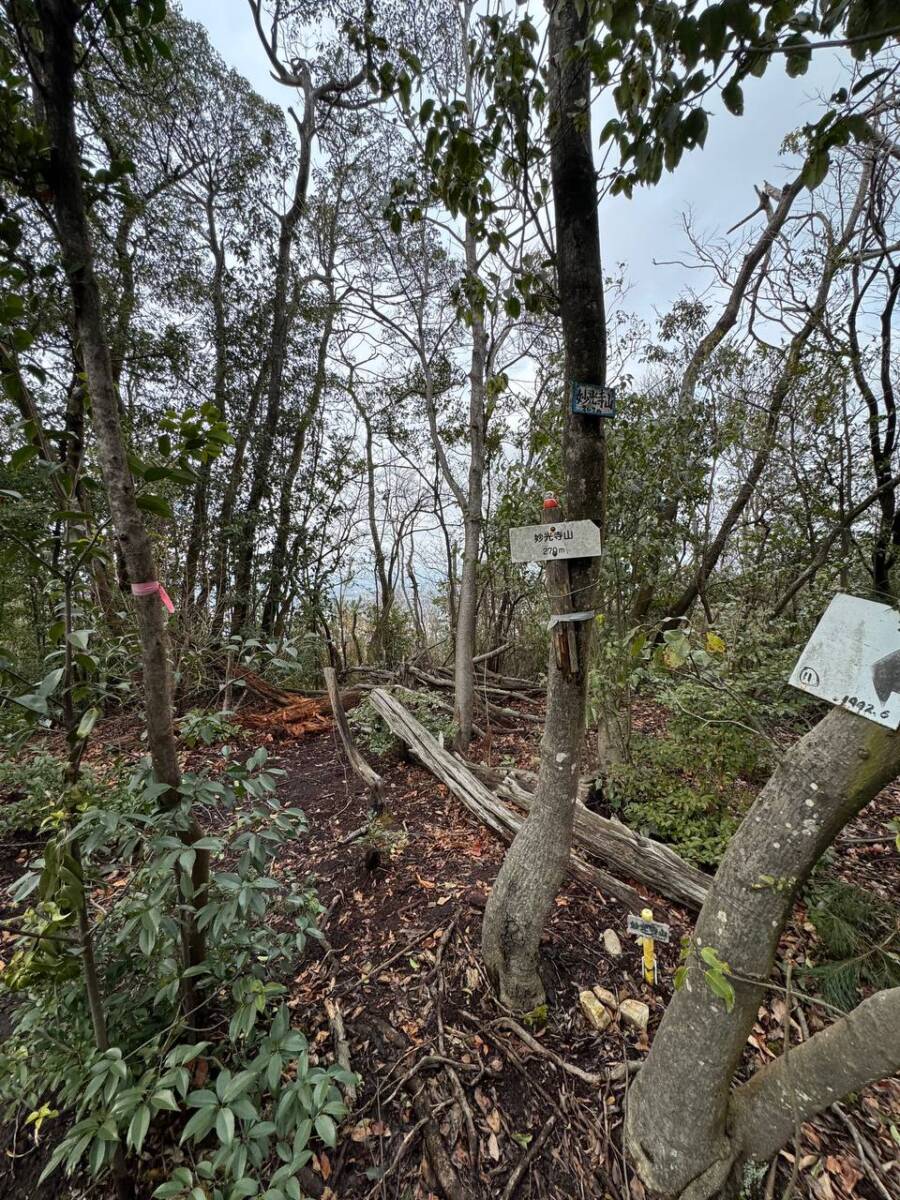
(782, 388)
(688, 1133)
(533, 868)
(58, 20)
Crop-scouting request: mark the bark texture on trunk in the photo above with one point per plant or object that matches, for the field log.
(58, 21)
(681, 1121)
(534, 866)
(862, 1047)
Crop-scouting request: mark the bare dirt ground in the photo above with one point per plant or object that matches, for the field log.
(457, 1098)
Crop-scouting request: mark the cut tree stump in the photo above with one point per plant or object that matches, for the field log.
(456, 775)
(301, 715)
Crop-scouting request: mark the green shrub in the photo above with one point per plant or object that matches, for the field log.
(858, 942)
(429, 710)
(249, 1125)
(33, 793)
(203, 727)
(696, 814)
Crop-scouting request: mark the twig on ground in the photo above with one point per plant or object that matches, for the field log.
(354, 834)
(341, 1046)
(376, 971)
(533, 1044)
(528, 1157)
(864, 1156)
(438, 1158)
(402, 1150)
(430, 1060)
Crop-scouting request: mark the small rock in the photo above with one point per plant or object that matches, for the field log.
(635, 1013)
(607, 997)
(597, 1015)
(611, 943)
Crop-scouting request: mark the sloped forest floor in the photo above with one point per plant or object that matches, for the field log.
(457, 1098)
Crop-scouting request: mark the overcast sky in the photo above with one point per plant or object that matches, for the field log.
(716, 183)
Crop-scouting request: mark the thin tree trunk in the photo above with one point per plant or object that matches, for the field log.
(282, 313)
(467, 611)
(783, 385)
(298, 442)
(298, 445)
(229, 503)
(199, 507)
(534, 865)
(384, 592)
(881, 445)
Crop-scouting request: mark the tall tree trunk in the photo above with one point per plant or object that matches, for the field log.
(534, 865)
(200, 504)
(282, 314)
(58, 21)
(781, 390)
(298, 445)
(467, 611)
(384, 591)
(685, 1127)
(882, 430)
(226, 532)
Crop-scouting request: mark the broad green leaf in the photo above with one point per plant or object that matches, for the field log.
(137, 1130)
(157, 505)
(87, 722)
(225, 1126)
(23, 455)
(326, 1129)
(200, 1124)
(721, 987)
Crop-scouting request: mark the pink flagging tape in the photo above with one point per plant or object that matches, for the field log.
(147, 589)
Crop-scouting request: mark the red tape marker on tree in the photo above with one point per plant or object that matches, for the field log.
(147, 589)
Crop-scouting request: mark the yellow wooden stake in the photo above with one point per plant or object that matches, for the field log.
(649, 951)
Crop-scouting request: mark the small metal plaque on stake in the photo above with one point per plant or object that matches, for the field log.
(591, 400)
(638, 927)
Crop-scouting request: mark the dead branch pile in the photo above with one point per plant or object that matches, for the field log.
(300, 714)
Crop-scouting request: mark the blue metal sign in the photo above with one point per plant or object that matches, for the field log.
(593, 401)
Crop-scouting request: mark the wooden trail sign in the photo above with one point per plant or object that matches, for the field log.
(554, 540)
(853, 659)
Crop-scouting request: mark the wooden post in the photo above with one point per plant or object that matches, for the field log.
(559, 592)
(370, 778)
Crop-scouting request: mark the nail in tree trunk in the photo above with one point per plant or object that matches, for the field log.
(689, 1133)
(533, 869)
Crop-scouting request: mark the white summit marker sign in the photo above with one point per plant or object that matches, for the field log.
(853, 659)
(548, 543)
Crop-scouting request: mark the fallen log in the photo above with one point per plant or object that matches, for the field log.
(456, 775)
(360, 767)
(259, 686)
(641, 858)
